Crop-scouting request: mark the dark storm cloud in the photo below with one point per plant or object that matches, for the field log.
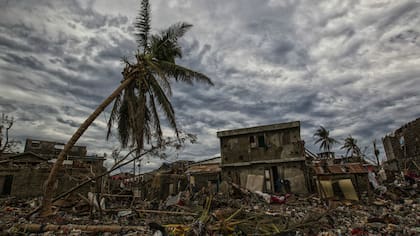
(396, 13)
(11, 43)
(115, 52)
(68, 122)
(7, 106)
(350, 66)
(27, 61)
(45, 57)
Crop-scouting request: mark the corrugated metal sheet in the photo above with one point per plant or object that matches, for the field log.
(204, 169)
(349, 168)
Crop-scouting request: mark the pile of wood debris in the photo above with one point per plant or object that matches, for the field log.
(240, 212)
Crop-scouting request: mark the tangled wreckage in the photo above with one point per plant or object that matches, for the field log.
(265, 182)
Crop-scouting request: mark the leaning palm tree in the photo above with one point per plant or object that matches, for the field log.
(145, 88)
(350, 145)
(324, 137)
(135, 109)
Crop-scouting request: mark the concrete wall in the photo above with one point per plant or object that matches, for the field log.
(202, 179)
(404, 143)
(392, 148)
(165, 184)
(292, 171)
(28, 182)
(278, 144)
(410, 133)
(52, 149)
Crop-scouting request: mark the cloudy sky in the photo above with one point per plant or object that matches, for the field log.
(351, 66)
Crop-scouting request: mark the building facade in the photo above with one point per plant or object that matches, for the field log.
(24, 174)
(403, 145)
(268, 158)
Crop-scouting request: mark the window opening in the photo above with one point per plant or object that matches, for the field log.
(261, 141)
(252, 141)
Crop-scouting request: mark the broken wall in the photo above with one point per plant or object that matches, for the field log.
(28, 182)
(164, 185)
(404, 142)
(203, 179)
(294, 172)
(52, 149)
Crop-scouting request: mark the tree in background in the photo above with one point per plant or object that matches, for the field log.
(6, 144)
(324, 138)
(350, 145)
(145, 88)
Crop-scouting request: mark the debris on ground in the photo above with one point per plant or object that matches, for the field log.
(240, 212)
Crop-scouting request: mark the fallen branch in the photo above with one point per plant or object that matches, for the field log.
(39, 228)
(155, 211)
(93, 179)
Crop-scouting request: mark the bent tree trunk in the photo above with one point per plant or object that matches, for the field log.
(52, 177)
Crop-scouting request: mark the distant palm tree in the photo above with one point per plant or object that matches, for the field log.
(324, 137)
(144, 89)
(350, 145)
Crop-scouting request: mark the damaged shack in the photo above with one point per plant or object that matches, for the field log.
(269, 158)
(169, 179)
(205, 174)
(341, 181)
(23, 174)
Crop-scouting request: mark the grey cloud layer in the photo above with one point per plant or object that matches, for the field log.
(350, 66)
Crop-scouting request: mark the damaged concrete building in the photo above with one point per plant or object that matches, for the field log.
(206, 173)
(23, 174)
(269, 158)
(402, 147)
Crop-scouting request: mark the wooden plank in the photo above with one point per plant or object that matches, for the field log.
(39, 228)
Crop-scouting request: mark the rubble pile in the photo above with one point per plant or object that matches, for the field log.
(238, 212)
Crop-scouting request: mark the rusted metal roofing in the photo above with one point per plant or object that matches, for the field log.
(257, 129)
(349, 168)
(214, 168)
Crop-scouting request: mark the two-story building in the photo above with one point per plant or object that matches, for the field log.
(269, 158)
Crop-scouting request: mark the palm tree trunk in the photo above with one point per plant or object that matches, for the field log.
(49, 186)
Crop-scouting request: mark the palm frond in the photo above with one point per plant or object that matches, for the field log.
(147, 122)
(113, 115)
(318, 140)
(175, 31)
(130, 99)
(164, 46)
(164, 102)
(123, 123)
(156, 120)
(142, 25)
(183, 74)
(166, 51)
(161, 77)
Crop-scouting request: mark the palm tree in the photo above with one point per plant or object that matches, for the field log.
(324, 137)
(144, 89)
(350, 145)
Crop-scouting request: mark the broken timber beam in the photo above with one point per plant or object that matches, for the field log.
(39, 228)
(155, 211)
